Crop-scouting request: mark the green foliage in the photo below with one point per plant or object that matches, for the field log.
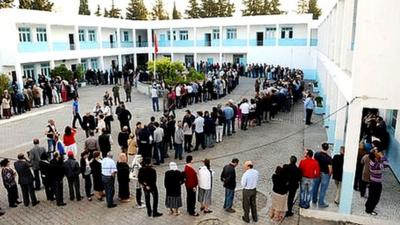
(159, 12)
(193, 10)
(176, 15)
(194, 75)
(6, 4)
(114, 12)
(216, 8)
(4, 83)
(63, 72)
(25, 4)
(80, 72)
(105, 13)
(302, 6)
(98, 13)
(252, 7)
(136, 10)
(319, 101)
(84, 7)
(43, 5)
(314, 9)
(273, 7)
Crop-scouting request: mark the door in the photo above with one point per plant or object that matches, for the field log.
(207, 39)
(236, 58)
(139, 41)
(71, 42)
(189, 61)
(73, 67)
(111, 41)
(260, 38)
(113, 64)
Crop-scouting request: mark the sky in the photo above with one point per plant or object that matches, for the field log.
(71, 6)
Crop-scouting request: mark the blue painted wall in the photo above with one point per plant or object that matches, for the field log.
(183, 43)
(33, 47)
(61, 46)
(393, 154)
(89, 45)
(127, 44)
(293, 42)
(234, 42)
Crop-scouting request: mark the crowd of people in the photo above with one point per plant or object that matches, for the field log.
(149, 144)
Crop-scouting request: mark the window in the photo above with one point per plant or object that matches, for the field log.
(29, 71)
(168, 35)
(126, 36)
(287, 32)
(231, 33)
(215, 34)
(41, 35)
(270, 32)
(45, 69)
(183, 35)
(92, 35)
(24, 34)
(81, 35)
(174, 34)
(93, 63)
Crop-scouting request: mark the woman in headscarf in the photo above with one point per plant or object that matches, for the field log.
(279, 195)
(123, 178)
(173, 180)
(136, 165)
(95, 166)
(205, 186)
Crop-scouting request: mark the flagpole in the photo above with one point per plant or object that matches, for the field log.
(155, 54)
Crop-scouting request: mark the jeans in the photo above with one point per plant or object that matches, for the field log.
(178, 151)
(305, 192)
(155, 104)
(209, 140)
(51, 145)
(229, 194)
(108, 182)
(321, 184)
(227, 126)
(159, 152)
(308, 116)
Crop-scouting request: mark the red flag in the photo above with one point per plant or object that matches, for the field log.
(155, 43)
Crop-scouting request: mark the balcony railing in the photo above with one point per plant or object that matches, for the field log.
(127, 44)
(314, 42)
(33, 47)
(204, 43)
(234, 42)
(88, 45)
(141, 44)
(62, 46)
(293, 42)
(183, 43)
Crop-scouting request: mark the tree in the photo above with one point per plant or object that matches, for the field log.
(302, 6)
(193, 10)
(273, 7)
(6, 4)
(176, 15)
(105, 13)
(25, 4)
(114, 12)
(84, 8)
(4, 83)
(98, 13)
(208, 9)
(216, 8)
(225, 8)
(252, 7)
(63, 72)
(136, 10)
(159, 12)
(314, 9)
(43, 5)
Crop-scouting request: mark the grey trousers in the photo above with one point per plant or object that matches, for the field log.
(249, 203)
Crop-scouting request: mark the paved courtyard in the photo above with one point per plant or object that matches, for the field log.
(267, 146)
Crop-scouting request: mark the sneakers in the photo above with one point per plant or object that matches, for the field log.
(323, 206)
(140, 206)
(373, 213)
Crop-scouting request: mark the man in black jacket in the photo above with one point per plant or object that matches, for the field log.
(25, 179)
(293, 174)
(124, 116)
(228, 177)
(72, 171)
(88, 123)
(147, 177)
(105, 142)
(58, 175)
(123, 137)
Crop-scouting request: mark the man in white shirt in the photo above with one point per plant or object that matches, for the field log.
(178, 96)
(199, 131)
(108, 171)
(158, 140)
(154, 98)
(249, 184)
(244, 108)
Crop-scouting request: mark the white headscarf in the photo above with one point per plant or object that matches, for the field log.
(173, 166)
(137, 160)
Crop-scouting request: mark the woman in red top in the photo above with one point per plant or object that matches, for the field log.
(69, 140)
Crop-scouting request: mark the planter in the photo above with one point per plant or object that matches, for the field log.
(319, 110)
(82, 84)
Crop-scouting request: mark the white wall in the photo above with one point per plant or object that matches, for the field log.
(241, 32)
(67, 63)
(61, 33)
(202, 30)
(204, 57)
(106, 32)
(108, 61)
(299, 30)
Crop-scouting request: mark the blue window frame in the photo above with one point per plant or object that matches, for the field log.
(215, 33)
(183, 35)
(92, 35)
(24, 34)
(231, 33)
(81, 35)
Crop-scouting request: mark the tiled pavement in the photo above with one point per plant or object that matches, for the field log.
(258, 144)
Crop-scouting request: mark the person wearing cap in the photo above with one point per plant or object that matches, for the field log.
(147, 177)
(108, 172)
(25, 180)
(228, 177)
(34, 158)
(173, 180)
(72, 171)
(8, 175)
(249, 184)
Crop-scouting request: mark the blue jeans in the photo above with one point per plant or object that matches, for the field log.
(321, 184)
(209, 140)
(50, 145)
(159, 153)
(227, 126)
(178, 151)
(155, 104)
(229, 194)
(305, 192)
(108, 182)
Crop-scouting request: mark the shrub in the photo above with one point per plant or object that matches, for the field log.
(63, 72)
(4, 83)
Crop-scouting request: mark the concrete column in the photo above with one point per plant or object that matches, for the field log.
(118, 38)
(308, 35)
(52, 64)
(18, 72)
(120, 62)
(76, 38)
(248, 35)
(350, 157)
(195, 60)
(221, 36)
(134, 37)
(99, 37)
(149, 39)
(340, 131)
(277, 35)
(333, 92)
(49, 37)
(171, 38)
(101, 63)
(135, 60)
(195, 37)
(220, 58)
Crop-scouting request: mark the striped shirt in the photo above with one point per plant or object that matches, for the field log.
(376, 170)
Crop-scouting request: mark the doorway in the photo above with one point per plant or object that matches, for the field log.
(139, 41)
(238, 58)
(207, 39)
(189, 61)
(260, 38)
(111, 41)
(71, 42)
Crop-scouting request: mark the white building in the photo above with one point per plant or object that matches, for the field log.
(37, 41)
